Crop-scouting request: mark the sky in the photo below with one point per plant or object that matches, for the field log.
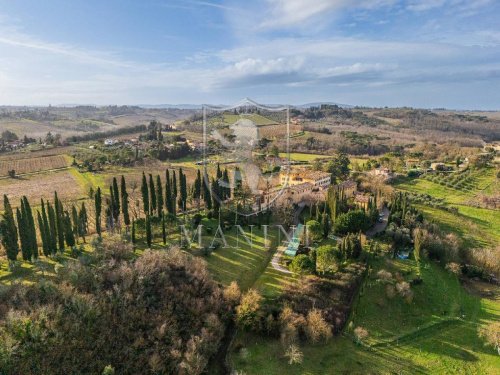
(426, 53)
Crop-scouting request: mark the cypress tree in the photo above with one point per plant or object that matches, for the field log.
(152, 195)
(74, 220)
(163, 229)
(197, 189)
(110, 209)
(59, 222)
(145, 194)
(8, 230)
(116, 202)
(168, 193)
(226, 190)
(159, 196)
(83, 222)
(43, 233)
(23, 233)
(52, 228)
(174, 193)
(124, 196)
(206, 193)
(68, 230)
(183, 189)
(149, 236)
(216, 192)
(133, 232)
(30, 223)
(98, 209)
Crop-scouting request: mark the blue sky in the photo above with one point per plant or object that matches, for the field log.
(427, 53)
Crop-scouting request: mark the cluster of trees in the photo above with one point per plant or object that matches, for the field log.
(403, 219)
(57, 228)
(115, 312)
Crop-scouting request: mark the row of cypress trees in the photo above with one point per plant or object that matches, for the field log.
(57, 228)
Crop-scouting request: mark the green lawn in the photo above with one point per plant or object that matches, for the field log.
(477, 226)
(299, 156)
(445, 343)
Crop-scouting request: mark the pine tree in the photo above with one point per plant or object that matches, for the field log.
(98, 210)
(159, 196)
(124, 196)
(149, 236)
(145, 194)
(8, 231)
(152, 195)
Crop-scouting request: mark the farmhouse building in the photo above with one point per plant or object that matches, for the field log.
(317, 179)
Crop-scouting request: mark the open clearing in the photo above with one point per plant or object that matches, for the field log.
(43, 185)
(437, 336)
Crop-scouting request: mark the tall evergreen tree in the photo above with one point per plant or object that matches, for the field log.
(23, 233)
(74, 220)
(159, 196)
(149, 236)
(52, 228)
(207, 197)
(83, 226)
(163, 229)
(145, 194)
(124, 196)
(197, 189)
(98, 210)
(168, 193)
(174, 193)
(45, 231)
(226, 190)
(30, 223)
(152, 195)
(116, 202)
(68, 230)
(43, 234)
(134, 241)
(8, 230)
(59, 222)
(183, 189)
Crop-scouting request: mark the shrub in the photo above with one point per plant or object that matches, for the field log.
(302, 264)
(247, 312)
(360, 334)
(316, 327)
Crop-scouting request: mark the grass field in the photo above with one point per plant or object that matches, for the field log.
(446, 342)
(477, 226)
(298, 156)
